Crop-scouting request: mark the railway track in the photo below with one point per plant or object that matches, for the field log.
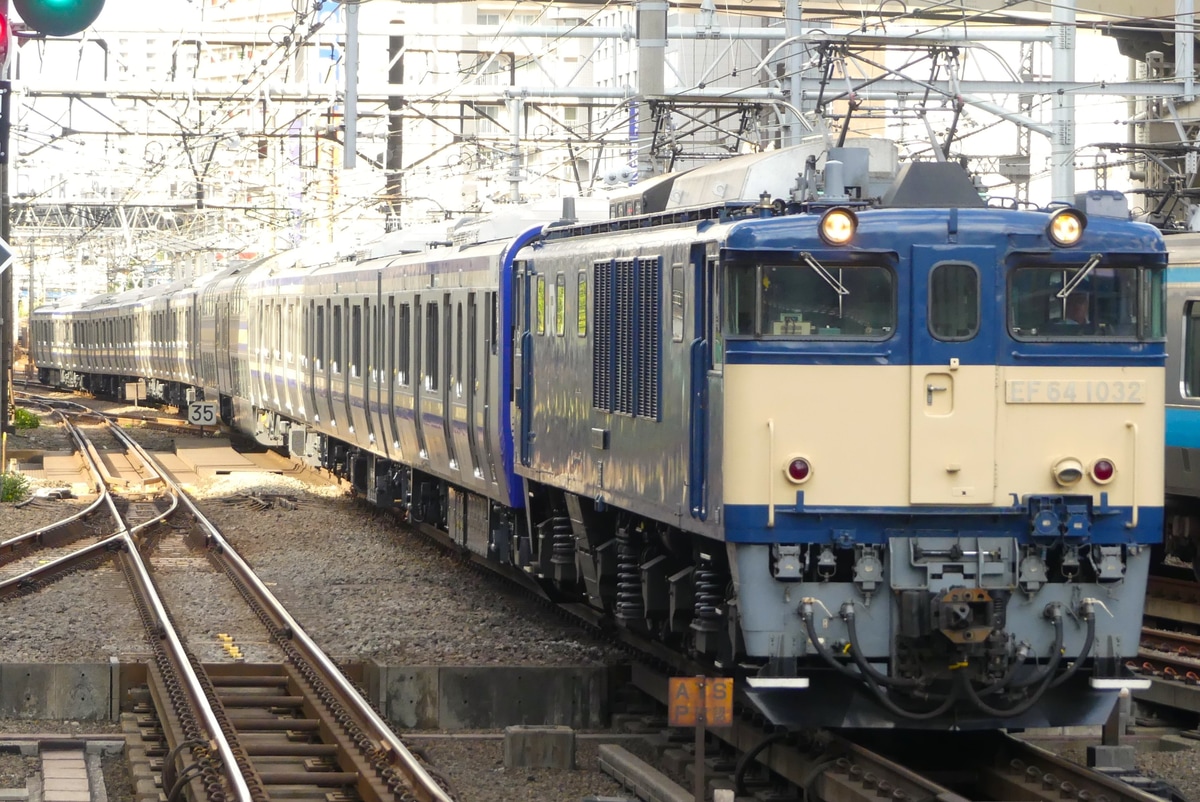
(872, 766)
(1170, 643)
(298, 727)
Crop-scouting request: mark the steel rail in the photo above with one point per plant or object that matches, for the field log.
(167, 633)
(377, 728)
(8, 548)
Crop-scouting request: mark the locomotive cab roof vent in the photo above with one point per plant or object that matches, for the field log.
(932, 185)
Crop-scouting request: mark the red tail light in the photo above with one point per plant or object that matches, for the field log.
(1103, 470)
(798, 470)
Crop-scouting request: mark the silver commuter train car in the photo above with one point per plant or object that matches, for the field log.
(1182, 523)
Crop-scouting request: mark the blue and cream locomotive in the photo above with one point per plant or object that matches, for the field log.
(892, 456)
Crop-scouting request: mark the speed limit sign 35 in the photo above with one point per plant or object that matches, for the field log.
(202, 413)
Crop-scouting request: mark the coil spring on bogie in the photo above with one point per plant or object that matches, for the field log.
(629, 582)
(562, 542)
(707, 595)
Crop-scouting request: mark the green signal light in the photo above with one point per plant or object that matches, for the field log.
(58, 17)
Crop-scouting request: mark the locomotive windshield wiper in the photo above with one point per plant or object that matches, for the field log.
(1076, 279)
(824, 273)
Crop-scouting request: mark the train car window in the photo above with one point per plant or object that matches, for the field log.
(370, 329)
(391, 339)
(458, 350)
(953, 301)
(677, 303)
(581, 312)
(1154, 302)
(716, 332)
(320, 349)
(335, 357)
(449, 334)
(289, 345)
(560, 305)
(1191, 349)
(541, 304)
(1108, 302)
(431, 346)
(355, 339)
(794, 300)
(405, 326)
(491, 323)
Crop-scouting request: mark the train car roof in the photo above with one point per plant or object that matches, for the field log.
(1184, 248)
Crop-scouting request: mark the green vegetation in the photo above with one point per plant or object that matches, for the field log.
(13, 487)
(24, 419)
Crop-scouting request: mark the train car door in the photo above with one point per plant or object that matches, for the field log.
(472, 386)
(953, 375)
(313, 355)
(421, 366)
(391, 375)
(698, 366)
(528, 283)
(448, 378)
(491, 350)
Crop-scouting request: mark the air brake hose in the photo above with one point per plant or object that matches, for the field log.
(1045, 678)
(1055, 612)
(865, 667)
(806, 613)
(1089, 615)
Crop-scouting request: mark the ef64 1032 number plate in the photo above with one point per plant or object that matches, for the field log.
(1074, 391)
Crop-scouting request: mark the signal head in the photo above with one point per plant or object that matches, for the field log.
(58, 17)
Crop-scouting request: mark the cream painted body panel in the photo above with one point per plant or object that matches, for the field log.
(953, 434)
(1032, 436)
(850, 422)
(855, 425)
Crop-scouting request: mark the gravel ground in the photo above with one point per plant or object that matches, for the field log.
(329, 556)
(16, 520)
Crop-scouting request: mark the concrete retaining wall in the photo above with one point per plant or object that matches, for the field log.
(476, 697)
(79, 691)
(410, 697)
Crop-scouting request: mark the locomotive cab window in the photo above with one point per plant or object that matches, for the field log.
(953, 301)
(1086, 301)
(803, 297)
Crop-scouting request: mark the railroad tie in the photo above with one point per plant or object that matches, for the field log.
(65, 776)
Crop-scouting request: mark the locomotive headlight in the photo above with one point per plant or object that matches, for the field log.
(838, 226)
(1103, 470)
(798, 470)
(1066, 227)
(1067, 471)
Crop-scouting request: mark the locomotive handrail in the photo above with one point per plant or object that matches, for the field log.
(1133, 522)
(770, 462)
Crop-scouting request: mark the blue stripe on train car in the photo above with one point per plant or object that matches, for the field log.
(1183, 275)
(1183, 427)
(747, 523)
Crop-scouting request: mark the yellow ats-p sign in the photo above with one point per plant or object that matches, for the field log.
(700, 700)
